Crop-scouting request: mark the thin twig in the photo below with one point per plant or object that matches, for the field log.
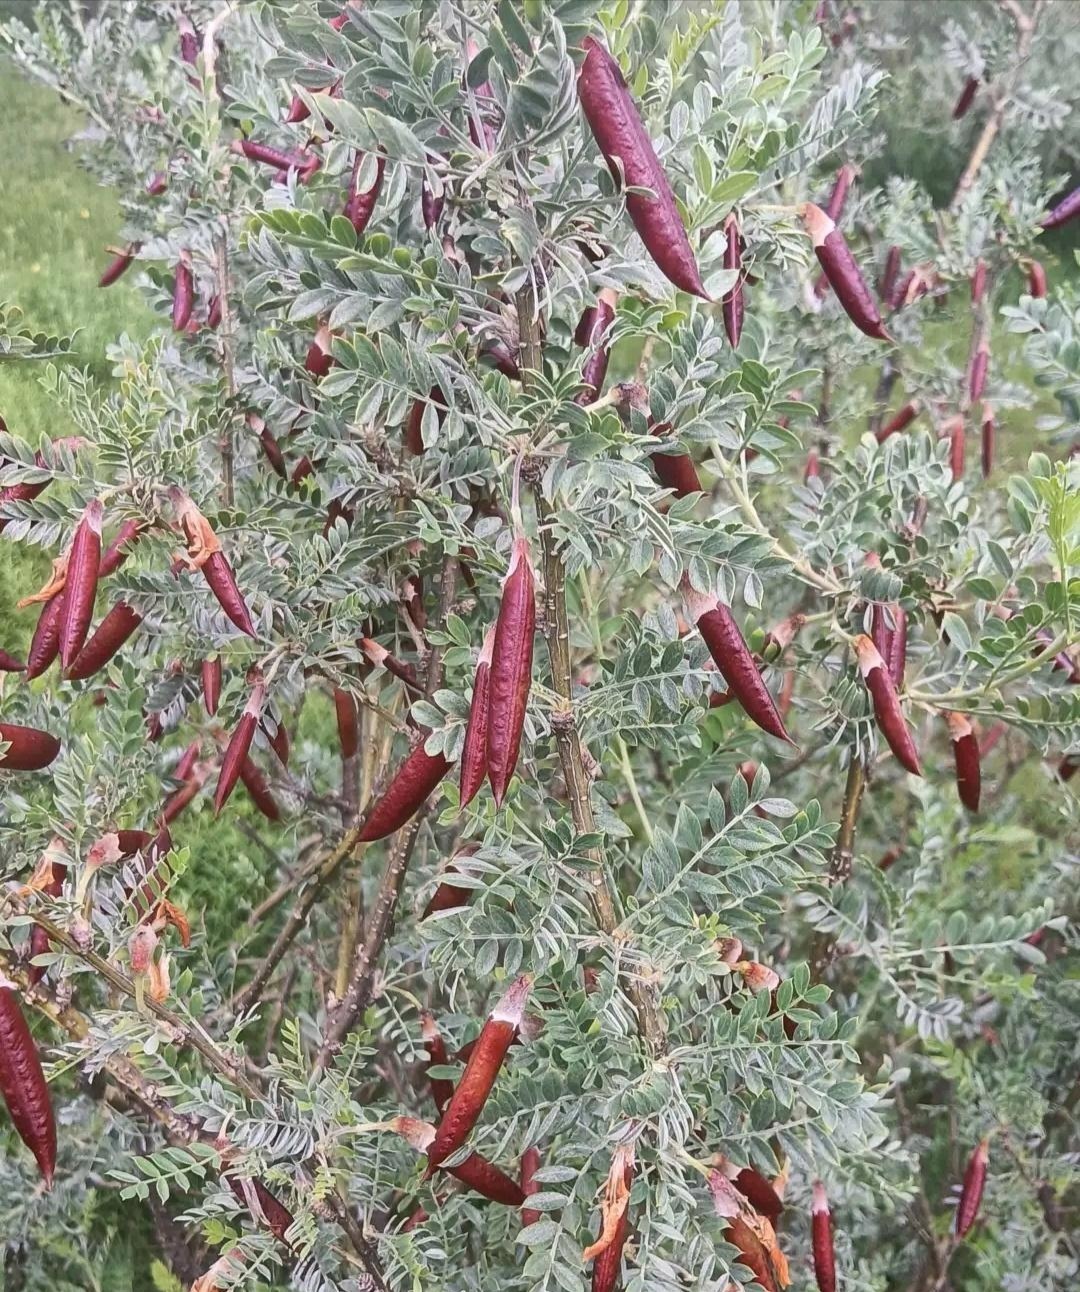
(843, 853)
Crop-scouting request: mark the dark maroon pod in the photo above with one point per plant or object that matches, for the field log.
(978, 282)
(899, 421)
(347, 725)
(219, 575)
(988, 436)
(45, 643)
(117, 267)
(28, 749)
(23, 1085)
(733, 304)
(980, 362)
(733, 658)
(414, 425)
(258, 790)
(511, 668)
(210, 673)
(213, 312)
(359, 207)
(414, 780)
(675, 471)
(972, 1191)
(842, 272)
(239, 745)
(967, 758)
(1067, 209)
(189, 41)
(9, 664)
(887, 711)
(821, 1234)
(631, 158)
(1036, 280)
(80, 584)
(966, 98)
(39, 939)
(891, 640)
(954, 430)
(183, 295)
(276, 1216)
(591, 333)
(113, 631)
(474, 763)
(887, 281)
(297, 111)
(119, 549)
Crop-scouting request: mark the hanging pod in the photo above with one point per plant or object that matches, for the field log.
(22, 1083)
(474, 762)
(262, 1204)
(1067, 209)
(441, 1089)
(113, 631)
(476, 1172)
(967, 758)
(204, 553)
(899, 421)
(733, 305)
(675, 471)
(842, 272)
(28, 749)
(80, 583)
(414, 780)
(239, 745)
(751, 1234)
(118, 266)
(511, 668)
(183, 301)
(591, 333)
(953, 430)
(45, 643)
(886, 286)
(887, 711)
(606, 1252)
(966, 98)
(210, 675)
(972, 1190)
(822, 1240)
(119, 549)
(1036, 280)
(360, 205)
(733, 658)
(347, 724)
(980, 364)
(258, 790)
(530, 1164)
(613, 117)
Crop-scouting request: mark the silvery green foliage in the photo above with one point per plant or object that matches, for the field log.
(927, 997)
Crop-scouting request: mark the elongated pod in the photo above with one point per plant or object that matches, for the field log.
(441, 1089)
(414, 780)
(239, 745)
(899, 421)
(972, 1191)
(592, 333)
(842, 272)
(822, 1236)
(606, 1252)
(118, 267)
(23, 1086)
(733, 304)
(675, 471)
(183, 295)
(28, 749)
(530, 1164)
(511, 668)
(360, 204)
(113, 631)
(474, 759)
(1067, 209)
(887, 711)
(80, 584)
(965, 98)
(476, 1172)
(967, 758)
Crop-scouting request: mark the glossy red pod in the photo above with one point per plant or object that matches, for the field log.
(183, 295)
(119, 549)
(607, 1251)
(258, 790)
(219, 575)
(45, 643)
(886, 701)
(360, 204)
(530, 1164)
(971, 1192)
(28, 749)
(80, 583)
(733, 658)
(415, 779)
(899, 421)
(842, 272)
(967, 758)
(262, 1204)
(441, 1089)
(675, 471)
(113, 631)
(381, 658)
(617, 126)
(886, 286)
(733, 304)
(1067, 209)
(210, 676)
(965, 98)
(476, 1172)
(23, 1085)
(757, 1191)
(822, 1240)
(478, 1079)
(592, 334)
(239, 745)
(347, 725)
(474, 762)
(511, 668)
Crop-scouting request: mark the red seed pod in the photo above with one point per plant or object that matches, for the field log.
(213, 312)
(844, 275)
(822, 1231)
(45, 643)
(414, 780)
(1036, 280)
(204, 552)
(899, 421)
(478, 1079)
(753, 1186)
(414, 426)
(966, 98)
(591, 333)
(834, 208)
(319, 360)
(733, 305)
(887, 282)
(987, 430)
(966, 756)
(895, 655)
(157, 184)
(448, 896)
(675, 471)
(264, 1207)
(189, 40)
(186, 763)
(733, 658)
(28, 749)
(441, 1089)
(954, 429)
(812, 469)
(9, 664)
(118, 266)
(347, 725)
(530, 1164)
(890, 857)
(258, 790)
(239, 745)
(80, 584)
(972, 1191)
(1067, 209)
(182, 798)
(119, 549)
(606, 1252)
(210, 672)
(628, 150)
(980, 362)
(475, 1172)
(297, 111)
(219, 575)
(305, 164)
(978, 282)
(511, 668)
(753, 1235)
(278, 740)
(474, 761)
(270, 447)
(1068, 767)
(381, 658)
(887, 711)
(113, 631)
(183, 294)
(22, 1083)
(359, 206)
(989, 741)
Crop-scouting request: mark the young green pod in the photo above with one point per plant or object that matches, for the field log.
(842, 272)
(899, 421)
(119, 549)
(347, 725)
(210, 675)
(183, 301)
(822, 1240)
(972, 1190)
(474, 761)
(258, 790)
(987, 438)
(530, 1164)
(22, 1083)
(262, 1204)
(476, 1172)
(1036, 280)
(967, 759)
(478, 1079)
(978, 282)
(886, 286)
(414, 780)
(965, 98)
(45, 643)
(733, 658)
(239, 745)
(628, 150)
(441, 1089)
(733, 305)
(360, 205)
(511, 668)
(980, 363)
(1067, 209)
(675, 471)
(591, 333)
(887, 711)
(80, 584)
(28, 749)
(606, 1252)
(118, 267)
(113, 631)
